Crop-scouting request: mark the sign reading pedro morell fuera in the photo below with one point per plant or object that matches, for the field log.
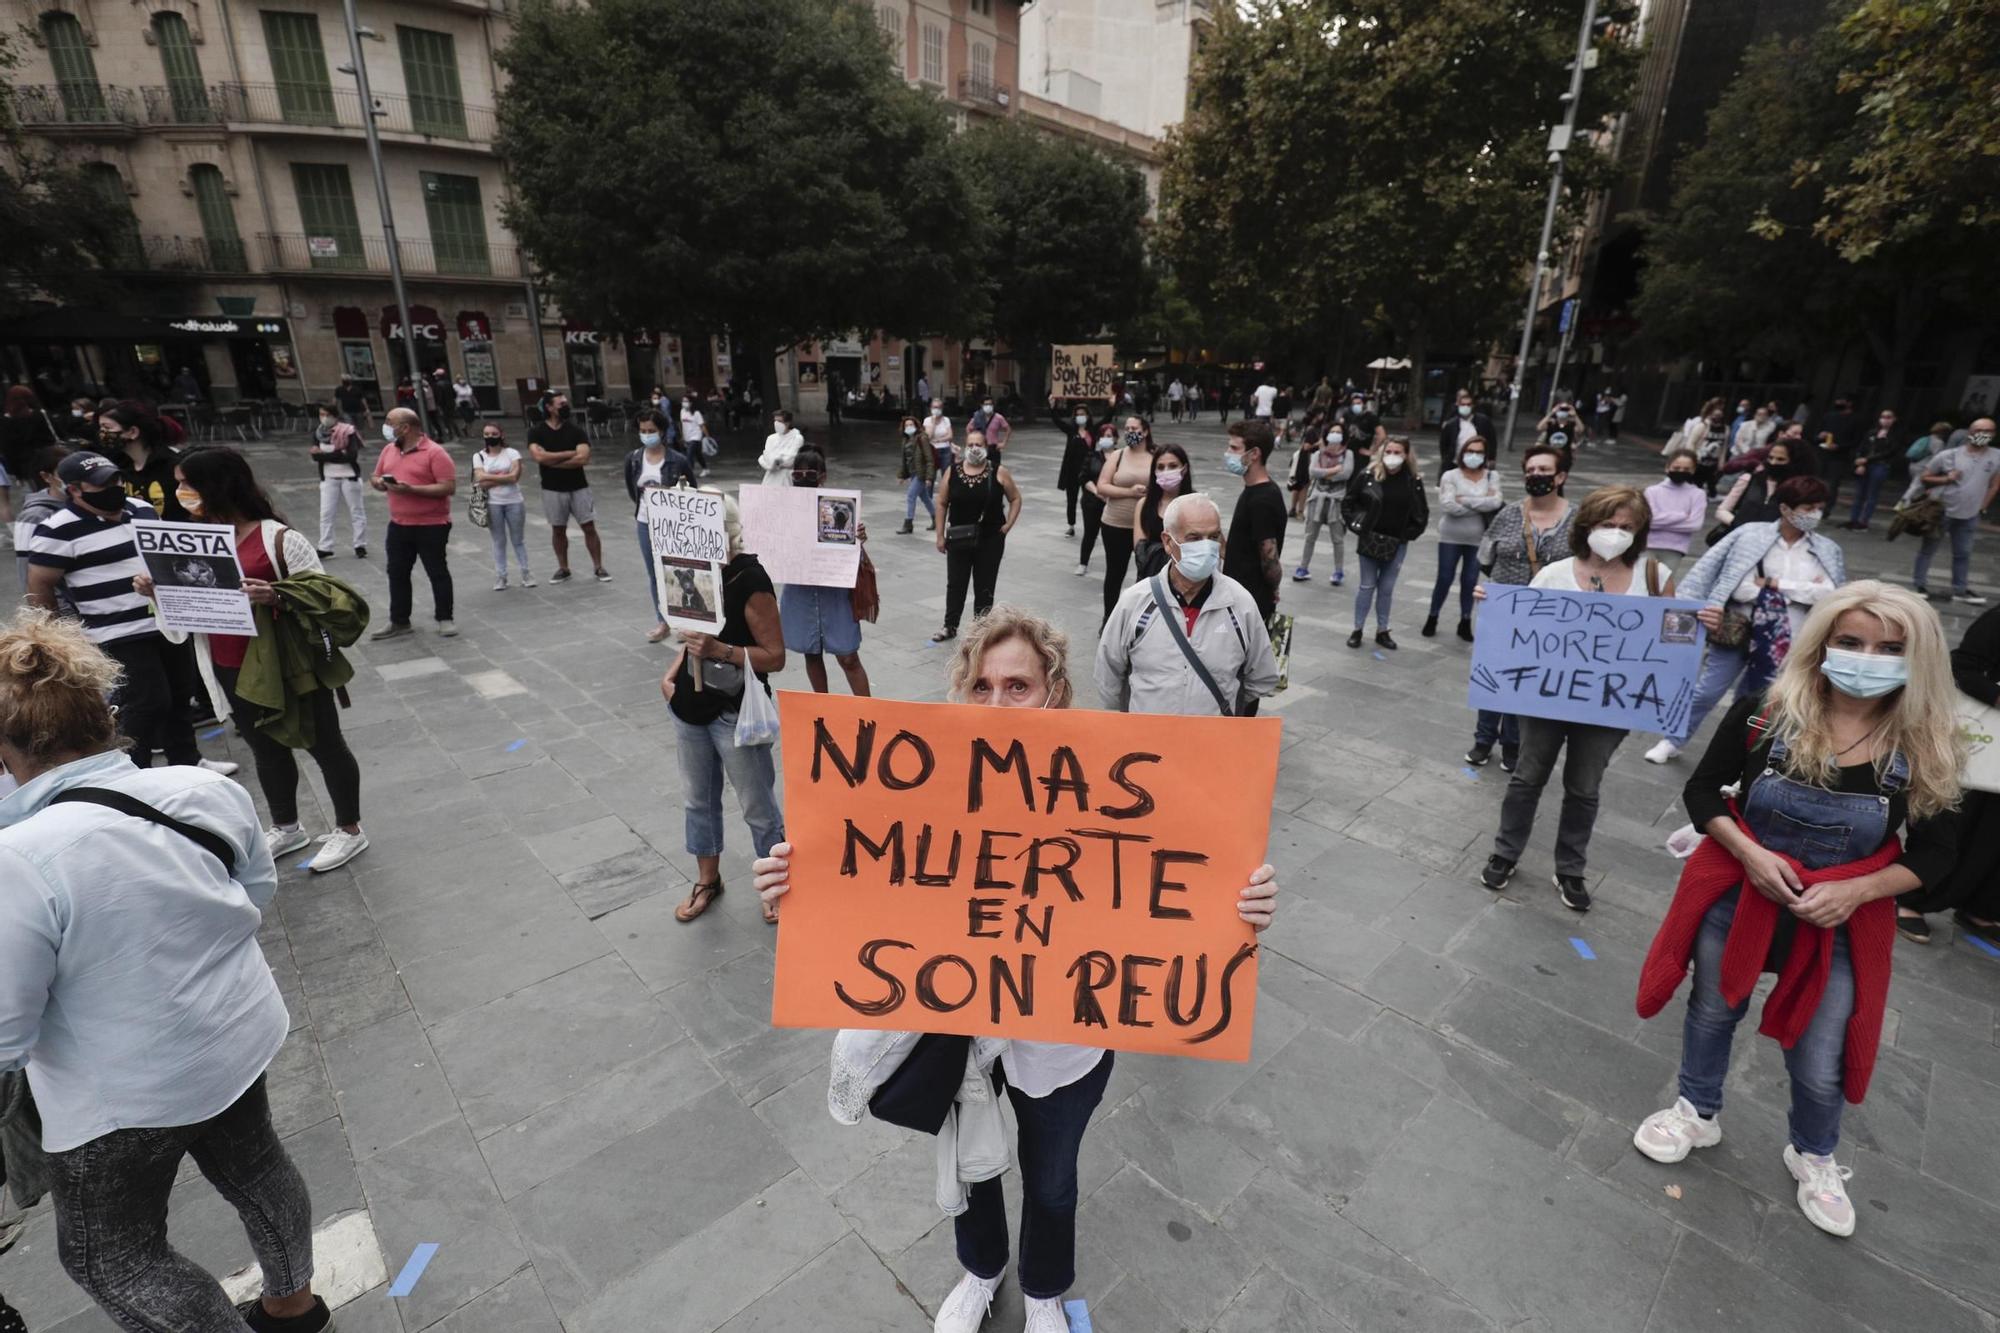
(1056, 875)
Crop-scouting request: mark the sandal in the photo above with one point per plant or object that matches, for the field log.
(698, 900)
(1914, 927)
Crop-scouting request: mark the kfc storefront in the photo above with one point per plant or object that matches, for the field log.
(426, 331)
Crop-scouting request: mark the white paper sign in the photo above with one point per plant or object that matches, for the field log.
(803, 534)
(689, 549)
(197, 579)
(1979, 725)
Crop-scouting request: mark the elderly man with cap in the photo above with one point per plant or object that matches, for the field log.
(1190, 639)
(87, 550)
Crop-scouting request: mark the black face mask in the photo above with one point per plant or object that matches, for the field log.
(1680, 478)
(562, 413)
(110, 501)
(1538, 484)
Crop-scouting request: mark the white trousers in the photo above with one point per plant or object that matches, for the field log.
(331, 492)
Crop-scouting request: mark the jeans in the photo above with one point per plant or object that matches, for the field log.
(1051, 1133)
(1378, 585)
(1866, 492)
(708, 752)
(278, 766)
(1589, 754)
(1464, 559)
(150, 715)
(1503, 728)
(1117, 562)
(979, 565)
(646, 563)
(111, 1217)
(1815, 1064)
(1720, 669)
(1093, 519)
(332, 491)
(509, 523)
(918, 489)
(1961, 531)
(409, 543)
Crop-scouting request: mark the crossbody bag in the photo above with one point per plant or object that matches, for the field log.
(1170, 615)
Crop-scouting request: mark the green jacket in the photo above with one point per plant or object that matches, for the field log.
(299, 652)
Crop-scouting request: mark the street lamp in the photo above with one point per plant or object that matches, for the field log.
(360, 72)
(1559, 143)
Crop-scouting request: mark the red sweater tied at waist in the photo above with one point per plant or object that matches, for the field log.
(1871, 940)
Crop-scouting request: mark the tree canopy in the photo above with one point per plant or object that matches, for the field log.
(1376, 162)
(751, 164)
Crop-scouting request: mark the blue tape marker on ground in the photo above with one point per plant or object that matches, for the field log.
(1470, 772)
(420, 1258)
(1984, 946)
(305, 864)
(1380, 658)
(212, 733)
(517, 745)
(1079, 1316)
(1582, 949)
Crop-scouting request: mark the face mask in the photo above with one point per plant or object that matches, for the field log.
(1680, 478)
(495, 441)
(1198, 559)
(562, 413)
(986, 409)
(1105, 444)
(1474, 462)
(649, 438)
(388, 432)
(189, 497)
(1392, 462)
(111, 501)
(1609, 543)
(1238, 464)
(1170, 480)
(1806, 520)
(976, 456)
(1539, 483)
(1133, 438)
(325, 422)
(1083, 421)
(1465, 409)
(1979, 439)
(778, 427)
(1335, 437)
(909, 430)
(1864, 675)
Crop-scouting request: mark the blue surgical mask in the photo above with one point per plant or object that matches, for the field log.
(1198, 559)
(1238, 464)
(1865, 675)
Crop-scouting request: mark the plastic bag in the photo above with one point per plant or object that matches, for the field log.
(757, 718)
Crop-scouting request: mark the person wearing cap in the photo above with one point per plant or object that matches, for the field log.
(86, 551)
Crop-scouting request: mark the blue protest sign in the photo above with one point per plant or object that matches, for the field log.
(1594, 657)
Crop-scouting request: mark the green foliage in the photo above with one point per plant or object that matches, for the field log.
(1925, 72)
(1380, 162)
(58, 231)
(753, 164)
(1065, 251)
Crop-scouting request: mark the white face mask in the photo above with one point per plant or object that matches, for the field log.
(1805, 520)
(909, 430)
(1609, 543)
(388, 432)
(1465, 409)
(1392, 462)
(1474, 462)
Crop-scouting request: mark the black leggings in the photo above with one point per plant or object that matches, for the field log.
(1093, 519)
(1117, 560)
(278, 767)
(1069, 500)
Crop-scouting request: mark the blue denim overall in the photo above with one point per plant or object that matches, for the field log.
(1819, 828)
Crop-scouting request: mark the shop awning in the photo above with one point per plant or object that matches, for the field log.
(75, 325)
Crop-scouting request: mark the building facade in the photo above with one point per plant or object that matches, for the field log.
(1122, 61)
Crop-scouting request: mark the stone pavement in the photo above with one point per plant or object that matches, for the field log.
(504, 1045)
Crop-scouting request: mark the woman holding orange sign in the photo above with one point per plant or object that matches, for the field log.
(1011, 659)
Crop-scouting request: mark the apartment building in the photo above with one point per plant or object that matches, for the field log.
(1125, 62)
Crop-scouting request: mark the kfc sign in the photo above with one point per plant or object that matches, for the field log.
(578, 334)
(426, 325)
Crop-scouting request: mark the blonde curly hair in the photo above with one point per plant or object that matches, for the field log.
(997, 627)
(55, 688)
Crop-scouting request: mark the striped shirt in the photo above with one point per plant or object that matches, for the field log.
(99, 559)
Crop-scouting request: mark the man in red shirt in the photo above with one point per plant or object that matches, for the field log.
(419, 478)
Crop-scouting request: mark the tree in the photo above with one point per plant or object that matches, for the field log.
(749, 164)
(1064, 251)
(58, 229)
(1379, 163)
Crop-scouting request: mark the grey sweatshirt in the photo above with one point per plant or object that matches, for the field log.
(1464, 506)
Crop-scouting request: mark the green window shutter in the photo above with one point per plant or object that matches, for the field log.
(458, 223)
(298, 67)
(218, 219)
(76, 71)
(430, 72)
(185, 88)
(326, 208)
(126, 251)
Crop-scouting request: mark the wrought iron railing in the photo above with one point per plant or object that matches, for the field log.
(74, 103)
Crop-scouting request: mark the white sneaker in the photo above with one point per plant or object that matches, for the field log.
(1662, 753)
(1822, 1191)
(1045, 1316)
(222, 766)
(1081, 570)
(500, 584)
(1670, 1135)
(338, 849)
(527, 579)
(965, 1309)
(284, 840)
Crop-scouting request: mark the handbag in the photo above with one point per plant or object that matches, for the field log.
(866, 598)
(757, 716)
(1171, 618)
(961, 536)
(1733, 632)
(1377, 546)
(476, 508)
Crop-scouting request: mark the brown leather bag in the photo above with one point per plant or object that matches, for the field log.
(866, 598)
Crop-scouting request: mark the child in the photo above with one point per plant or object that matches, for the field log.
(1329, 469)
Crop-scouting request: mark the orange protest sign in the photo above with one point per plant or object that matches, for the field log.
(1057, 875)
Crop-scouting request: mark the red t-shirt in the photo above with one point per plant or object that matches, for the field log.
(226, 650)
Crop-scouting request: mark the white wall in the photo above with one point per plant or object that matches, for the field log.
(1136, 51)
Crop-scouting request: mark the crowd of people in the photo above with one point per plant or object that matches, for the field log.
(1827, 814)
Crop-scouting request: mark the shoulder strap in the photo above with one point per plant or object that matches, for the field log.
(1759, 728)
(274, 534)
(212, 843)
(1652, 576)
(1171, 618)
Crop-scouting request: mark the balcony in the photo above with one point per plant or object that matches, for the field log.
(984, 94)
(194, 254)
(299, 253)
(83, 107)
(319, 107)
